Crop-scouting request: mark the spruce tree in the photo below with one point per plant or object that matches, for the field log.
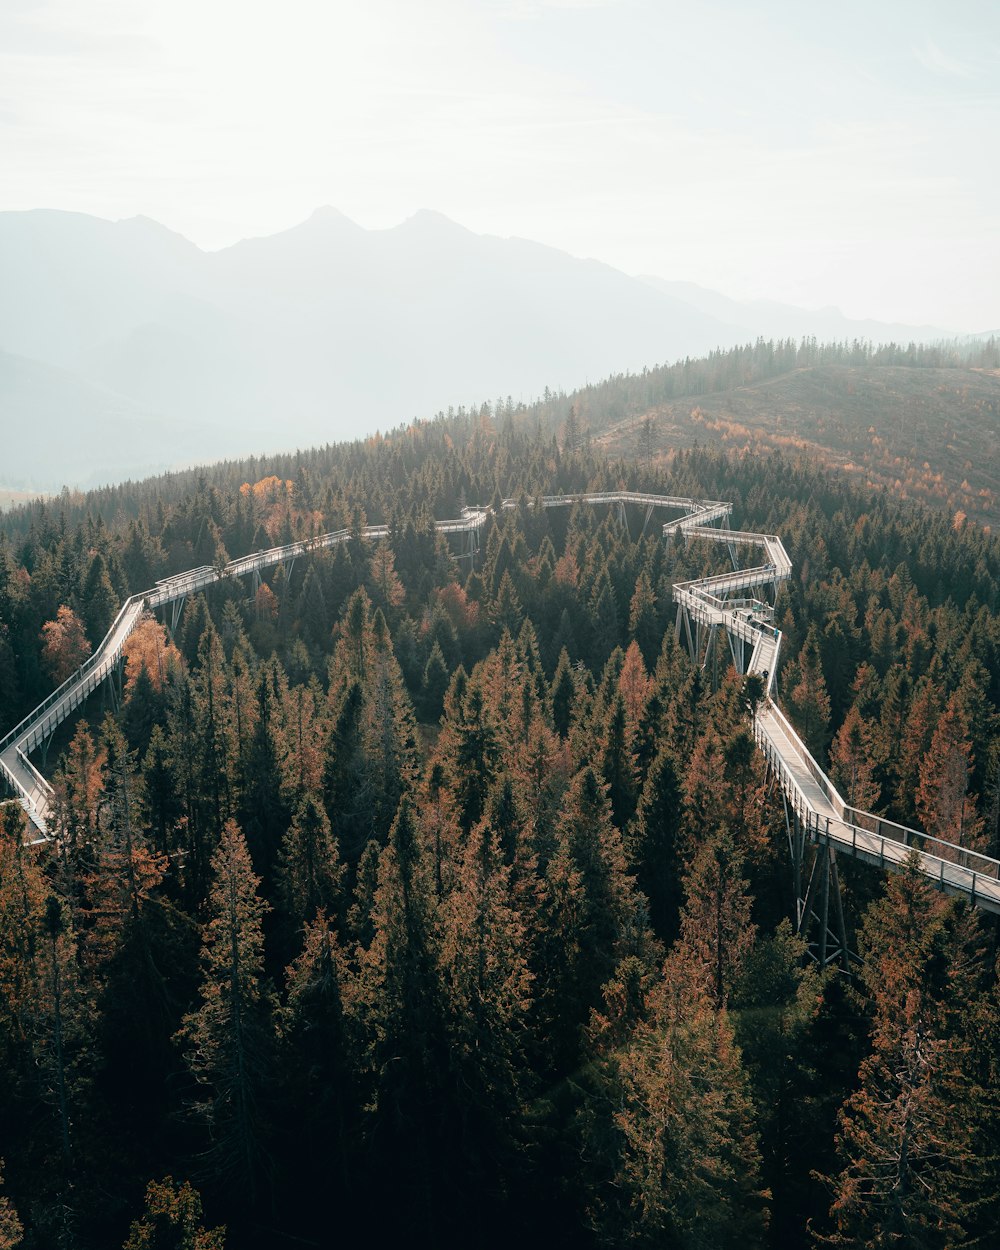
(653, 846)
(310, 871)
(907, 1135)
(228, 1039)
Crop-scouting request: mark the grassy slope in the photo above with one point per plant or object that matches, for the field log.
(931, 434)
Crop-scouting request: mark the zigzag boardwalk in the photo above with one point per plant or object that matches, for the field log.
(815, 812)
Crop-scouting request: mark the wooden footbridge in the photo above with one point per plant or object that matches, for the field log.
(734, 604)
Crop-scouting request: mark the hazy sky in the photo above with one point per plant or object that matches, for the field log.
(822, 154)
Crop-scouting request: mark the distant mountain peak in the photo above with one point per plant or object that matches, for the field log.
(141, 224)
(327, 215)
(431, 219)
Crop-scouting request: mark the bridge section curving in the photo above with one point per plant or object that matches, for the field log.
(724, 603)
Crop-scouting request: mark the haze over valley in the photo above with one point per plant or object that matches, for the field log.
(125, 349)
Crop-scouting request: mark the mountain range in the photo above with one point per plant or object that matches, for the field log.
(125, 349)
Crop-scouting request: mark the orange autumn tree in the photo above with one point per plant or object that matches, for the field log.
(149, 648)
(273, 502)
(946, 806)
(65, 645)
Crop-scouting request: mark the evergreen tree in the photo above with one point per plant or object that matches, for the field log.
(61, 1028)
(434, 685)
(716, 930)
(263, 810)
(345, 776)
(945, 806)
(400, 1009)
(563, 694)
(618, 766)
(316, 1061)
(228, 1039)
(853, 761)
(653, 846)
(592, 914)
(643, 622)
(809, 698)
(909, 1164)
(11, 1228)
(100, 603)
(487, 986)
(172, 1220)
(683, 1162)
(310, 869)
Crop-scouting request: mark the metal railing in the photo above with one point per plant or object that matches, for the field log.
(865, 834)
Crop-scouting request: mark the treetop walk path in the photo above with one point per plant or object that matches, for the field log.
(816, 814)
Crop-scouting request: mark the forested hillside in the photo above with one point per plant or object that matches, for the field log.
(920, 421)
(404, 899)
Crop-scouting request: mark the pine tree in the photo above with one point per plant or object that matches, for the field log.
(945, 806)
(563, 695)
(643, 622)
(653, 846)
(716, 930)
(910, 1171)
(100, 603)
(921, 720)
(214, 753)
(781, 1010)
(475, 756)
(345, 775)
(487, 986)
(316, 1062)
(390, 747)
(434, 685)
(505, 611)
(171, 1220)
(683, 1163)
(65, 645)
(383, 580)
(592, 914)
(852, 762)
(11, 1228)
(617, 766)
(312, 610)
(310, 869)
(809, 699)
(22, 898)
(400, 1009)
(228, 1039)
(78, 786)
(61, 1026)
(262, 807)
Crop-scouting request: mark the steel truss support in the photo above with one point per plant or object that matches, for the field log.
(684, 616)
(826, 941)
(702, 641)
(176, 610)
(112, 687)
(623, 518)
(736, 651)
(724, 524)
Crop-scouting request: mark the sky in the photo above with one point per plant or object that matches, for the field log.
(815, 154)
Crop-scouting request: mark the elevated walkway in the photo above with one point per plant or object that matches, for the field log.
(821, 814)
(24, 780)
(709, 604)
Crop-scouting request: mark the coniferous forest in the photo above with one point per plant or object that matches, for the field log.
(405, 898)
